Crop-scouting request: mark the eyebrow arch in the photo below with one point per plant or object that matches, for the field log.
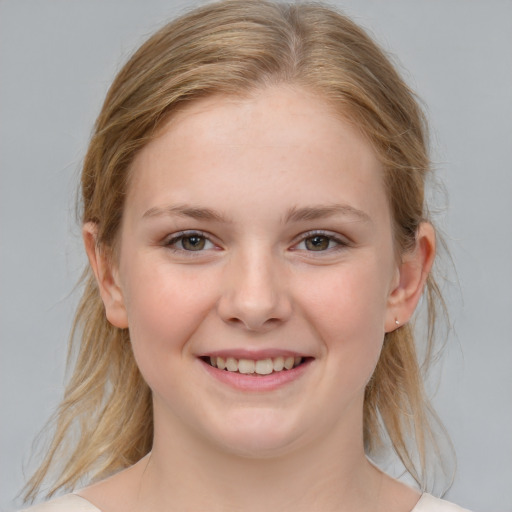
(193, 212)
(294, 214)
(319, 212)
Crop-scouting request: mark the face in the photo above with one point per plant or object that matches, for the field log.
(256, 272)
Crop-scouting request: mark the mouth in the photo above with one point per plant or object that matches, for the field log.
(258, 367)
(258, 371)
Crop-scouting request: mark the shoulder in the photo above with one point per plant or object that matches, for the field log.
(428, 503)
(66, 503)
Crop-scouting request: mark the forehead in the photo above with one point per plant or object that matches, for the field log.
(262, 113)
(283, 143)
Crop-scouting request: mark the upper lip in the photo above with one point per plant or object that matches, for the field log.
(255, 355)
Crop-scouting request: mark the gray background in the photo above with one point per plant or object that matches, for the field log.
(57, 58)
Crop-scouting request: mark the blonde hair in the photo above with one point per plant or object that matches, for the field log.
(104, 422)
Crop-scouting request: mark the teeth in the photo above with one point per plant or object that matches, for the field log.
(246, 366)
(278, 364)
(231, 364)
(264, 366)
(288, 363)
(261, 366)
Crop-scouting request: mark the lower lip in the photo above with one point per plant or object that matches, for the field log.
(254, 382)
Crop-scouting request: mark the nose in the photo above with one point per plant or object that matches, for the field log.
(255, 295)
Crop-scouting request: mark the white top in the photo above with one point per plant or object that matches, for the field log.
(75, 503)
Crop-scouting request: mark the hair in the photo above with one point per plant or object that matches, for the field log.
(235, 47)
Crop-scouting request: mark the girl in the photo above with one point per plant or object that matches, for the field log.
(254, 217)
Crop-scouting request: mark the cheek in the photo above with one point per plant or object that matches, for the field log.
(164, 309)
(348, 310)
(348, 298)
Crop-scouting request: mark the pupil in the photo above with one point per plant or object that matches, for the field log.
(193, 243)
(317, 243)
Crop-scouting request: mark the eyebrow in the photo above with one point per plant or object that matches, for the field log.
(321, 212)
(192, 212)
(294, 214)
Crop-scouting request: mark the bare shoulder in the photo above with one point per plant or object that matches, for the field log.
(66, 503)
(428, 503)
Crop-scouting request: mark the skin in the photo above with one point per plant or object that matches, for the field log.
(238, 174)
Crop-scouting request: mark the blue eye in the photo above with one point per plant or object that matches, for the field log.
(193, 242)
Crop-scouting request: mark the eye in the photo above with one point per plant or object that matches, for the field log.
(193, 242)
(320, 242)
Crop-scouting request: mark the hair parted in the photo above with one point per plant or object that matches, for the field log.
(234, 47)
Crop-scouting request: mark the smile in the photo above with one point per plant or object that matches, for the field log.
(259, 367)
(268, 370)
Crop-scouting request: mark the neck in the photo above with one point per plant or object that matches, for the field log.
(331, 472)
(185, 472)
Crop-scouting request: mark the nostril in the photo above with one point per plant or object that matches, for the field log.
(235, 321)
(254, 324)
(254, 307)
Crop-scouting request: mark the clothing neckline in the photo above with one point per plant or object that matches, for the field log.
(424, 497)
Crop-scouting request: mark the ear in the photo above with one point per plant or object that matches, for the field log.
(106, 277)
(412, 276)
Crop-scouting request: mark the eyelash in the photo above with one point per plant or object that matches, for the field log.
(171, 242)
(340, 243)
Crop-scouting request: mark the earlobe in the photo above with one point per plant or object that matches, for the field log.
(413, 272)
(106, 277)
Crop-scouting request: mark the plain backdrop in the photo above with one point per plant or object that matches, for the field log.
(57, 58)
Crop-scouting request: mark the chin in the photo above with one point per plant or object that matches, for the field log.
(256, 434)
